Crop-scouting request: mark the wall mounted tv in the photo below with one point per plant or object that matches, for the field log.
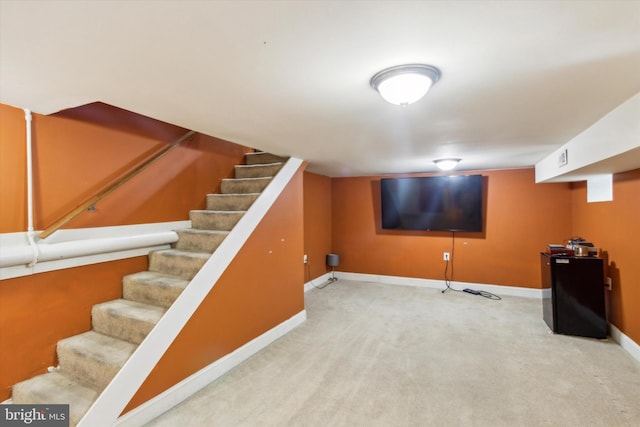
(434, 203)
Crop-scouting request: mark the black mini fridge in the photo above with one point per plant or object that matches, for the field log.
(573, 295)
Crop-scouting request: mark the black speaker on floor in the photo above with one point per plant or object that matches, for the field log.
(333, 260)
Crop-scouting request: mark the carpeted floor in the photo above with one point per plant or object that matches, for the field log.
(385, 355)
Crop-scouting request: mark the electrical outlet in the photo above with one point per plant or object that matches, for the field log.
(306, 260)
(445, 256)
(609, 283)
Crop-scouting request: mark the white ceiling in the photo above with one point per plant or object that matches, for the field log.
(519, 78)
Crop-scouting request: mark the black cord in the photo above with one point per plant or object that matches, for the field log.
(447, 281)
(308, 274)
(489, 295)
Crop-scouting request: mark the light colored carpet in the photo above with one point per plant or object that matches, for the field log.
(384, 355)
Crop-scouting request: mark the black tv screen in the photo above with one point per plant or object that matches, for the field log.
(434, 203)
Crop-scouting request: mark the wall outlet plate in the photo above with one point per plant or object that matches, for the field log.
(305, 259)
(609, 284)
(445, 256)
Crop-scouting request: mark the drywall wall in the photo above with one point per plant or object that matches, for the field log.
(521, 218)
(74, 159)
(614, 227)
(612, 144)
(317, 223)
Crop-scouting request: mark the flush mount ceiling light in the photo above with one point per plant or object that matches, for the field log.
(405, 84)
(446, 164)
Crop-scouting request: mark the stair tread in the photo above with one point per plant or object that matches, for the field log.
(100, 347)
(211, 211)
(178, 262)
(151, 287)
(262, 157)
(56, 388)
(203, 231)
(232, 194)
(158, 279)
(181, 252)
(259, 165)
(260, 178)
(132, 309)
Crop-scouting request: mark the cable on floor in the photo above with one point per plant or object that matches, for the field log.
(308, 274)
(447, 280)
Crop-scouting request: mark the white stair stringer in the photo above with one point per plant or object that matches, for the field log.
(112, 401)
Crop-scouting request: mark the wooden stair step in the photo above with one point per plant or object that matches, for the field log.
(178, 263)
(244, 185)
(150, 287)
(93, 359)
(55, 388)
(215, 220)
(231, 202)
(257, 170)
(193, 239)
(262, 157)
(126, 320)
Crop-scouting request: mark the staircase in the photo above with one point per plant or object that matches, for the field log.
(88, 362)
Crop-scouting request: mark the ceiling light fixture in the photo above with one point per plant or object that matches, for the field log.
(446, 164)
(405, 84)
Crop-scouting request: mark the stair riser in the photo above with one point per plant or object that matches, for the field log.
(199, 242)
(175, 265)
(124, 328)
(160, 294)
(230, 202)
(94, 373)
(242, 186)
(213, 220)
(258, 158)
(257, 171)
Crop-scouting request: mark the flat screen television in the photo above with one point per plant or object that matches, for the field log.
(434, 203)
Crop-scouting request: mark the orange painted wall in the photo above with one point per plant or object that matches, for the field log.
(37, 311)
(245, 302)
(614, 227)
(521, 218)
(73, 159)
(317, 223)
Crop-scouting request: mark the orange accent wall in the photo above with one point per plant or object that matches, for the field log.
(521, 218)
(614, 227)
(245, 302)
(73, 159)
(13, 181)
(37, 311)
(317, 223)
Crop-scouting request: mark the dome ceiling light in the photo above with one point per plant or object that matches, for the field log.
(446, 164)
(405, 84)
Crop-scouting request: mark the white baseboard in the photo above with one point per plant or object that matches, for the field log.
(629, 345)
(440, 284)
(189, 386)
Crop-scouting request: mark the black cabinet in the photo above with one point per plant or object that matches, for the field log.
(573, 295)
